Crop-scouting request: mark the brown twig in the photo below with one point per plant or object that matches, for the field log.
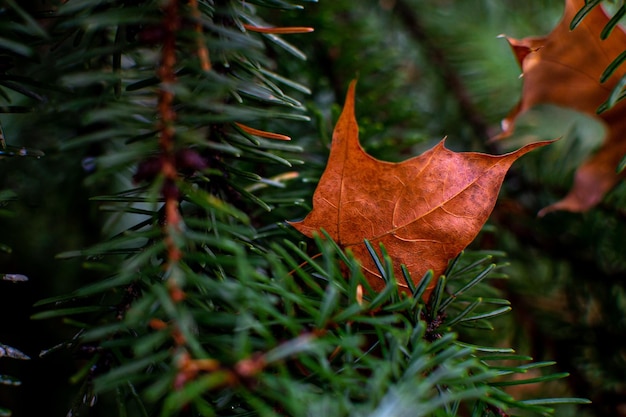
(203, 52)
(167, 75)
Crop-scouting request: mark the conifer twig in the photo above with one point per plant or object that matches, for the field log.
(173, 219)
(167, 75)
(203, 52)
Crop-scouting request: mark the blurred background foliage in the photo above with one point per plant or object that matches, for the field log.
(426, 69)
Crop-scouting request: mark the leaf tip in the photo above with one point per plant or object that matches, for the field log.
(351, 91)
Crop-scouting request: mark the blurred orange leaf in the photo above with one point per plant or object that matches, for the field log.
(425, 210)
(564, 68)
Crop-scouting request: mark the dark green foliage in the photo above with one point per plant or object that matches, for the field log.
(230, 311)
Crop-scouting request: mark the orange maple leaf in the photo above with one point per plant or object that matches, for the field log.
(564, 68)
(424, 210)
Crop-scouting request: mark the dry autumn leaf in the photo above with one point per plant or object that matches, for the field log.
(564, 68)
(424, 210)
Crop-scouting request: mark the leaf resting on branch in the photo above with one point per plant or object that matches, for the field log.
(425, 210)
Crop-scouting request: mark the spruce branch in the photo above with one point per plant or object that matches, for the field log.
(167, 114)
